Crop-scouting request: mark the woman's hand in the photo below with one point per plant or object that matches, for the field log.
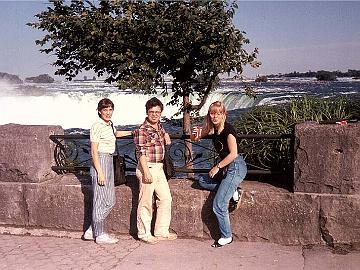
(213, 171)
(101, 179)
(196, 134)
(96, 161)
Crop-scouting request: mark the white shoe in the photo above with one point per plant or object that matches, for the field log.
(106, 239)
(222, 242)
(234, 202)
(236, 195)
(225, 241)
(88, 235)
(149, 240)
(170, 236)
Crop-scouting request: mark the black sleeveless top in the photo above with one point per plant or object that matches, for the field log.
(220, 140)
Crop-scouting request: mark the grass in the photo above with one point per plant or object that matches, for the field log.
(281, 119)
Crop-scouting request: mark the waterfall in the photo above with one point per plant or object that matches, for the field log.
(73, 105)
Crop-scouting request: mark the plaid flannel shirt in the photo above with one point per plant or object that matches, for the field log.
(150, 142)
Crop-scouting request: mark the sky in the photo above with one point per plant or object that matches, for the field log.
(290, 35)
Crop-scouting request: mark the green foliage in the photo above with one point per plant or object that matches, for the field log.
(138, 44)
(317, 109)
(269, 120)
(353, 106)
(281, 119)
(350, 73)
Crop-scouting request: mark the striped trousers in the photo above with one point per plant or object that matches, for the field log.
(103, 196)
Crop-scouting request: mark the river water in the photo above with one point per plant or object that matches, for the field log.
(73, 104)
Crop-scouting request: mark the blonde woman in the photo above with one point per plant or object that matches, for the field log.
(227, 185)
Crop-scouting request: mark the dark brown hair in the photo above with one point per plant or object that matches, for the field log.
(104, 103)
(153, 102)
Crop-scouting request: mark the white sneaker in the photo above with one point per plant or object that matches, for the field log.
(234, 202)
(88, 235)
(222, 242)
(106, 239)
(225, 241)
(236, 195)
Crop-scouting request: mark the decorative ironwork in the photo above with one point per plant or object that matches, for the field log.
(72, 153)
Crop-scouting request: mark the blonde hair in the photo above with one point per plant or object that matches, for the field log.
(218, 107)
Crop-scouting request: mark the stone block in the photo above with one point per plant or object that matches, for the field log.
(186, 209)
(266, 213)
(327, 158)
(57, 206)
(340, 219)
(13, 210)
(276, 215)
(122, 218)
(26, 152)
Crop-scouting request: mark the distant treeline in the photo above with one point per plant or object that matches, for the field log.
(321, 75)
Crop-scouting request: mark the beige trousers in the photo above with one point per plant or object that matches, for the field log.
(160, 187)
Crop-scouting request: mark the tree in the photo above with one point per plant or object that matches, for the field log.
(137, 44)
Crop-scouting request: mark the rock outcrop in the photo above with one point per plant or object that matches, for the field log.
(261, 79)
(9, 78)
(43, 78)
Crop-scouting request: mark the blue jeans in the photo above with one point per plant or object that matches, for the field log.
(224, 190)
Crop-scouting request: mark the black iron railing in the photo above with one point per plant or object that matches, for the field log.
(72, 153)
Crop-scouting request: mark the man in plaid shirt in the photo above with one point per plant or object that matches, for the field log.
(150, 141)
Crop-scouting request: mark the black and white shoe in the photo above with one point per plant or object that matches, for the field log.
(88, 235)
(234, 202)
(222, 242)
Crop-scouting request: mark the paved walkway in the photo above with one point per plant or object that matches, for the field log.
(39, 252)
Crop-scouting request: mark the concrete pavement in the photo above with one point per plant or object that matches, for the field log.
(49, 252)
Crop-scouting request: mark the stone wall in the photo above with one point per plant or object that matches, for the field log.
(27, 153)
(313, 214)
(327, 158)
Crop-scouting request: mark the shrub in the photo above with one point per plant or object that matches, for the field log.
(281, 119)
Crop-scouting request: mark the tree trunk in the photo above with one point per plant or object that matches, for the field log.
(187, 131)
